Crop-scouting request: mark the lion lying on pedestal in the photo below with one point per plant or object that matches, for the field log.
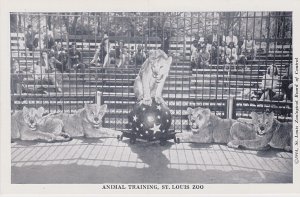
(258, 133)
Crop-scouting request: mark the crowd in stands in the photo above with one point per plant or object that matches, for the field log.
(220, 49)
(55, 58)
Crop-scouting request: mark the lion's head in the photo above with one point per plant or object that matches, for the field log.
(160, 63)
(95, 113)
(262, 122)
(32, 116)
(199, 118)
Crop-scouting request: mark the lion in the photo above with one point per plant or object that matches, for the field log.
(87, 122)
(206, 127)
(151, 78)
(266, 132)
(259, 133)
(30, 124)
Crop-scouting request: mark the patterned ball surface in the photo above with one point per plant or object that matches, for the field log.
(150, 122)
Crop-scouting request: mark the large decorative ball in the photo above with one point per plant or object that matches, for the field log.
(150, 122)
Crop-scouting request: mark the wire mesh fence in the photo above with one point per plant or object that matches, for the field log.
(60, 60)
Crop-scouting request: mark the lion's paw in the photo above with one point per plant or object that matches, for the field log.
(147, 102)
(63, 137)
(159, 100)
(288, 149)
(233, 144)
(50, 138)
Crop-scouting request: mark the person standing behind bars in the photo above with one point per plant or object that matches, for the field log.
(31, 38)
(102, 53)
(48, 40)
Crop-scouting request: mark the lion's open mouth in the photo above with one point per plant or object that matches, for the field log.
(260, 134)
(96, 126)
(33, 128)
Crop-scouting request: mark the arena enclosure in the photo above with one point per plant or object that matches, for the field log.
(231, 62)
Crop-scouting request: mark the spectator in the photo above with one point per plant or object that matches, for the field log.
(102, 53)
(61, 55)
(231, 54)
(48, 40)
(16, 79)
(269, 83)
(222, 53)
(249, 48)
(120, 54)
(287, 83)
(166, 43)
(139, 56)
(31, 38)
(75, 59)
(45, 71)
(194, 52)
(240, 45)
(263, 45)
(231, 38)
(204, 57)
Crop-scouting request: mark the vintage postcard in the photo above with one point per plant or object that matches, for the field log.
(149, 97)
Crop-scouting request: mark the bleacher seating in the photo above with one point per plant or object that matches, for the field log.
(209, 87)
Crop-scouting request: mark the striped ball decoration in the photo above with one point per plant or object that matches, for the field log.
(150, 122)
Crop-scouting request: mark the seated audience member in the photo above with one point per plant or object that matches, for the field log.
(231, 38)
(214, 53)
(269, 83)
(231, 54)
(75, 59)
(60, 54)
(207, 44)
(249, 48)
(263, 45)
(240, 45)
(287, 83)
(139, 56)
(31, 38)
(204, 57)
(222, 53)
(45, 71)
(121, 54)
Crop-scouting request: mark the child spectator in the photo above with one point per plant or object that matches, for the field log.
(231, 54)
(269, 83)
(231, 38)
(204, 57)
(31, 38)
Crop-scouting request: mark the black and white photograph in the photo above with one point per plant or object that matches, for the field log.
(160, 101)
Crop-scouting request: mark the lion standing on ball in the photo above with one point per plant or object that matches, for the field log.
(151, 79)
